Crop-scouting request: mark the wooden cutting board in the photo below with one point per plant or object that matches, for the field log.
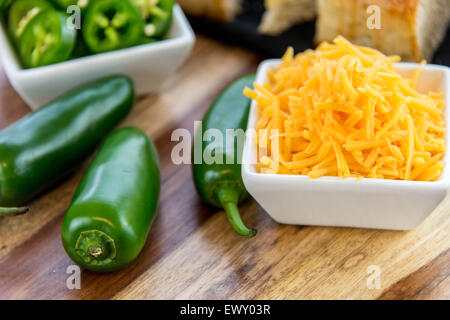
(192, 252)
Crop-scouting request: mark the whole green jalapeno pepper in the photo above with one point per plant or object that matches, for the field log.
(43, 146)
(114, 206)
(111, 25)
(47, 39)
(21, 13)
(220, 184)
(157, 15)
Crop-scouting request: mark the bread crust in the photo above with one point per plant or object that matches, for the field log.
(221, 10)
(283, 14)
(405, 29)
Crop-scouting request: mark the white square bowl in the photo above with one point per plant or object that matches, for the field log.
(147, 65)
(333, 201)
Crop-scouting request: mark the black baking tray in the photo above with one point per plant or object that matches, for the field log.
(243, 31)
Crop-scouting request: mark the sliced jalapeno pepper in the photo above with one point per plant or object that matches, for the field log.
(21, 13)
(46, 39)
(80, 50)
(157, 15)
(64, 4)
(111, 25)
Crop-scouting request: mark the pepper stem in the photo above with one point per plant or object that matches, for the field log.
(11, 212)
(228, 197)
(95, 250)
(95, 247)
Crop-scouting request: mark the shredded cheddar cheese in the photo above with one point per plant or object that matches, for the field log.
(342, 110)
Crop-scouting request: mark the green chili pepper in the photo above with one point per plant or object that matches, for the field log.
(47, 39)
(64, 4)
(40, 148)
(145, 40)
(21, 13)
(81, 50)
(220, 184)
(112, 210)
(112, 24)
(10, 212)
(4, 4)
(157, 15)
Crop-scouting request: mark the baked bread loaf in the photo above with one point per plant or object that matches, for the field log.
(412, 29)
(283, 14)
(221, 10)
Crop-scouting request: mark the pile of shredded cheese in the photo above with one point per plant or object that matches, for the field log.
(343, 110)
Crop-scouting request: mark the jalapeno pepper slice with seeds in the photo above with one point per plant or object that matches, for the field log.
(21, 13)
(111, 25)
(64, 4)
(46, 40)
(157, 15)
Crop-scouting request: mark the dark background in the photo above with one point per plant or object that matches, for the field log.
(243, 31)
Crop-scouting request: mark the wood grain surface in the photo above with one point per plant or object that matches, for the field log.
(192, 252)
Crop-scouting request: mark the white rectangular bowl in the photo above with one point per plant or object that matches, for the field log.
(147, 65)
(333, 201)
